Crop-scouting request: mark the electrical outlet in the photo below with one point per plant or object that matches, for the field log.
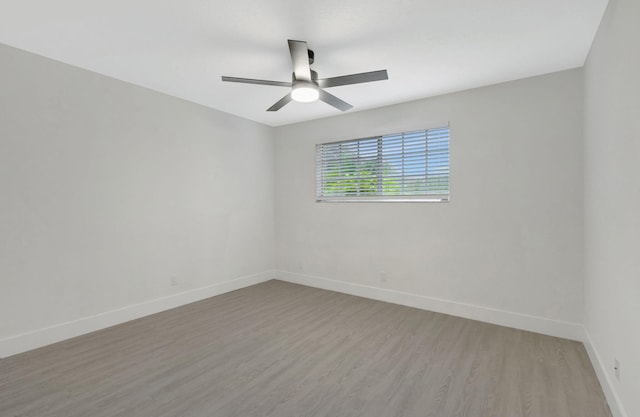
(382, 275)
(174, 281)
(616, 368)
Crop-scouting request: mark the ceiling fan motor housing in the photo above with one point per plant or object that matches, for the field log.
(314, 77)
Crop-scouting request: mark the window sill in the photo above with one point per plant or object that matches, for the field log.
(416, 199)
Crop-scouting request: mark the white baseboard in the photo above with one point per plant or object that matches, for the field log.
(617, 410)
(567, 330)
(31, 340)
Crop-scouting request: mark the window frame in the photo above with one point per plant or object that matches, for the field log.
(378, 198)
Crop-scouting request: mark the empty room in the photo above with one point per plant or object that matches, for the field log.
(319, 209)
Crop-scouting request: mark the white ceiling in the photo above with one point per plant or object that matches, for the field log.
(182, 48)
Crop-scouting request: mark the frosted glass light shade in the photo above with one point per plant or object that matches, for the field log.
(305, 92)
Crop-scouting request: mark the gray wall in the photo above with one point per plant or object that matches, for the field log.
(108, 190)
(511, 237)
(612, 198)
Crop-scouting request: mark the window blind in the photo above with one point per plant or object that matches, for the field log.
(409, 166)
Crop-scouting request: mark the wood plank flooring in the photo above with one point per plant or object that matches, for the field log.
(283, 350)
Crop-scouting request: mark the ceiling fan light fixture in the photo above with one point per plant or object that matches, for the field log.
(305, 92)
(305, 85)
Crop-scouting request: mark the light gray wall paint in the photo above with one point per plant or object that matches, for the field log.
(107, 190)
(612, 197)
(511, 237)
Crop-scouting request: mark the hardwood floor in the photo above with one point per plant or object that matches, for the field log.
(283, 350)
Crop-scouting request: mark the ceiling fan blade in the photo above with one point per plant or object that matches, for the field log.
(280, 103)
(252, 81)
(300, 60)
(364, 77)
(334, 101)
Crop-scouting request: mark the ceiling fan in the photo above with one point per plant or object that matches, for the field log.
(305, 85)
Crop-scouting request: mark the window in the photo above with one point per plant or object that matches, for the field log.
(410, 166)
